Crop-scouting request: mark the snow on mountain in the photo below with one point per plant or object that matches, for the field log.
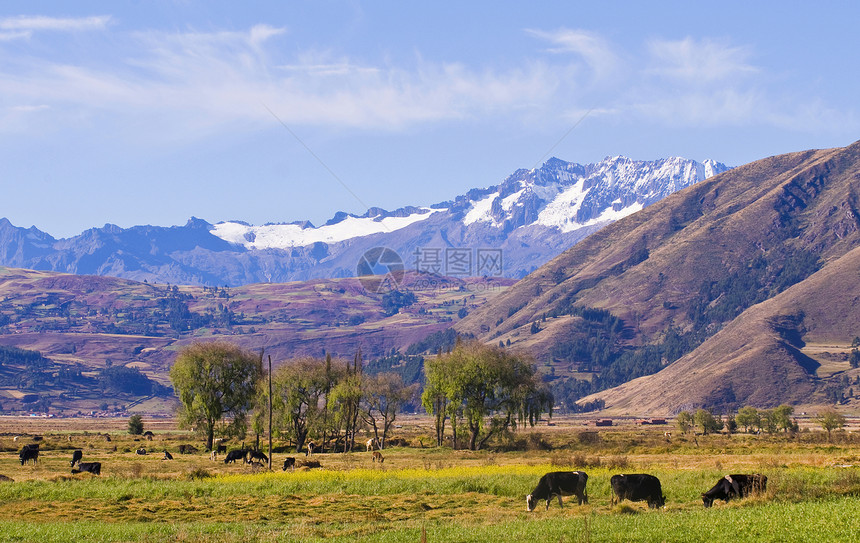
(568, 196)
(284, 236)
(524, 221)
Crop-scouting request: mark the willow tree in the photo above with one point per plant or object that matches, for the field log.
(493, 389)
(382, 398)
(299, 397)
(216, 385)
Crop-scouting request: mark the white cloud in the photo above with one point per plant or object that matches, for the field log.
(597, 53)
(189, 84)
(23, 26)
(704, 61)
(201, 80)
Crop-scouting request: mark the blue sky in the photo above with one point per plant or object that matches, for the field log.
(150, 112)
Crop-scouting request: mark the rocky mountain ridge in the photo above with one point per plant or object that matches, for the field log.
(527, 219)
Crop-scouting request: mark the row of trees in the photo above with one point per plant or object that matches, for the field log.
(224, 390)
(481, 392)
(778, 419)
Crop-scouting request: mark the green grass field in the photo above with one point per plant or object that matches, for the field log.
(813, 492)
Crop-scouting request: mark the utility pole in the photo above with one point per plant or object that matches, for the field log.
(270, 412)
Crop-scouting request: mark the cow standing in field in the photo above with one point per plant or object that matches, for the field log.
(93, 467)
(311, 448)
(167, 455)
(76, 457)
(29, 452)
(735, 486)
(637, 487)
(559, 483)
(256, 455)
(377, 457)
(290, 462)
(238, 454)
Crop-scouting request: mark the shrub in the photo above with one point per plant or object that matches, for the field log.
(135, 425)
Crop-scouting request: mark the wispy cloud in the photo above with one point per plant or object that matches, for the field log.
(596, 51)
(190, 84)
(699, 61)
(205, 79)
(24, 26)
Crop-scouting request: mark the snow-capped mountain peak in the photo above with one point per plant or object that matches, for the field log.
(521, 223)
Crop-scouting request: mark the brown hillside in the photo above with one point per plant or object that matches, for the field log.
(760, 358)
(772, 222)
(83, 324)
(694, 235)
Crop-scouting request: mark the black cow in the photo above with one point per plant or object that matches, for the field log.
(637, 487)
(559, 483)
(737, 485)
(141, 451)
(76, 457)
(29, 452)
(290, 463)
(187, 449)
(256, 455)
(237, 454)
(93, 467)
(167, 455)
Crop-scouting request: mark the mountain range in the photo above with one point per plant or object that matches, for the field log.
(738, 290)
(506, 230)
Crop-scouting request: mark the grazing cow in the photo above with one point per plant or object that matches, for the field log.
(735, 486)
(76, 457)
(219, 446)
(256, 455)
(187, 449)
(141, 451)
(290, 463)
(237, 454)
(377, 457)
(637, 487)
(559, 483)
(167, 455)
(311, 448)
(29, 452)
(93, 467)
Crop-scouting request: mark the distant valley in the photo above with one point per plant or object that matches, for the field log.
(87, 327)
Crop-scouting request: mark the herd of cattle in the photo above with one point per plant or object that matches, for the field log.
(633, 487)
(638, 487)
(30, 453)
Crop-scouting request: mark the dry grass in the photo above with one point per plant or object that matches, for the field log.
(350, 495)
